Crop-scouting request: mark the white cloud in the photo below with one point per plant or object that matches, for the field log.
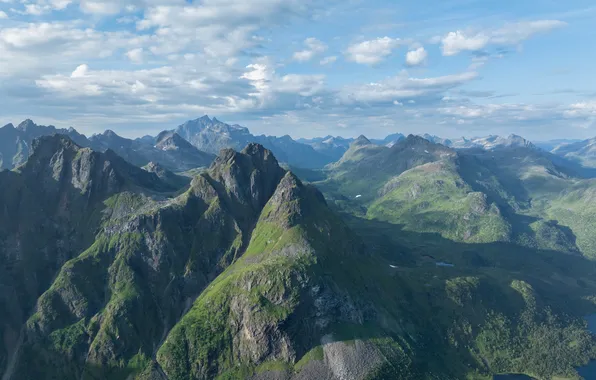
(582, 109)
(80, 71)
(100, 7)
(56, 46)
(36, 10)
(136, 55)
(3, 15)
(403, 87)
(269, 85)
(373, 51)
(328, 60)
(416, 57)
(314, 47)
(454, 43)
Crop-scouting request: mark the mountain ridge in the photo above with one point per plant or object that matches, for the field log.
(248, 273)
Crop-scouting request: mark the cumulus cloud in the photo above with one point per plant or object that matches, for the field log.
(373, 51)
(272, 89)
(416, 57)
(3, 15)
(456, 42)
(328, 60)
(136, 55)
(80, 71)
(313, 48)
(582, 109)
(27, 48)
(403, 87)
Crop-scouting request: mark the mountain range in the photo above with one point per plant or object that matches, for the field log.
(195, 143)
(403, 260)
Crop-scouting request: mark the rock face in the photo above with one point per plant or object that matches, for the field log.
(15, 142)
(168, 149)
(50, 210)
(245, 238)
(212, 135)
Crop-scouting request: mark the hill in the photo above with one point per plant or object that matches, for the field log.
(246, 273)
(472, 195)
(583, 151)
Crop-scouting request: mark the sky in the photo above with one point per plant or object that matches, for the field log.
(303, 67)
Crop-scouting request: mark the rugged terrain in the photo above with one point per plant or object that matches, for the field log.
(110, 271)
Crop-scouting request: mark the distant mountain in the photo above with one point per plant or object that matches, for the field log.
(335, 147)
(491, 142)
(502, 193)
(15, 142)
(389, 140)
(583, 151)
(549, 145)
(168, 149)
(212, 135)
(330, 146)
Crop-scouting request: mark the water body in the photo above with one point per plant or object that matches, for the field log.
(512, 377)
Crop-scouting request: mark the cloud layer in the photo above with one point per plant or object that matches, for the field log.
(312, 65)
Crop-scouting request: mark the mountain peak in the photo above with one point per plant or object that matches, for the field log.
(26, 124)
(255, 149)
(415, 139)
(361, 140)
(251, 175)
(51, 143)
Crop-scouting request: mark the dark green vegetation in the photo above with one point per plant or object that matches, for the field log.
(516, 194)
(444, 268)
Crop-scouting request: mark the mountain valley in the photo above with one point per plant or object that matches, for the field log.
(187, 256)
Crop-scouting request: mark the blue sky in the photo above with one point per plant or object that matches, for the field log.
(303, 67)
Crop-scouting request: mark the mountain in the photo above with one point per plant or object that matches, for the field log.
(212, 135)
(51, 209)
(583, 152)
(549, 145)
(336, 147)
(389, 140)
(15, 142)
(512, 194)
(168, 149)
(332, 147)
(247, 273)
(491, 142)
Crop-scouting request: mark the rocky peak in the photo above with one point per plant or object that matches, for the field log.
(250, 176)
(414, 139)
(518, 141)
(26, 125)
(8, 126)
(361, 140)
(168, 140)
